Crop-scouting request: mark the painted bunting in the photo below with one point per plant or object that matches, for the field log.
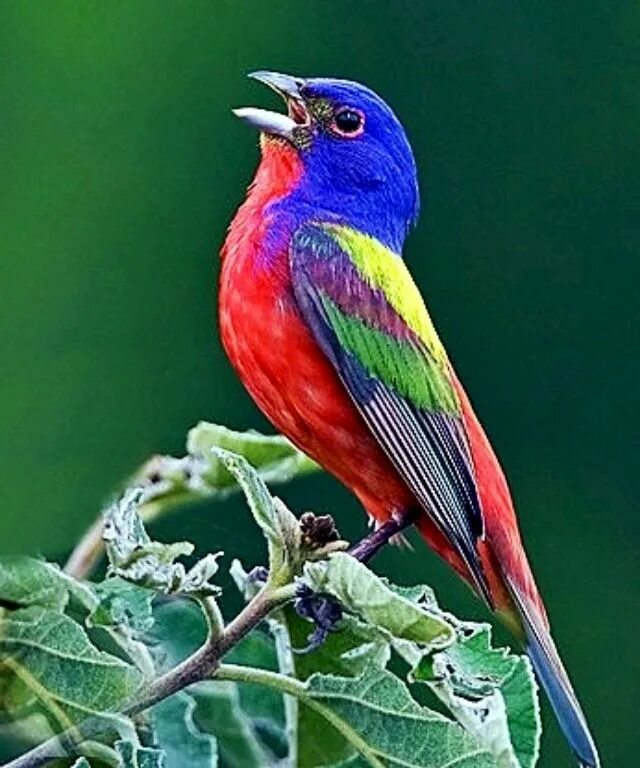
(328, 332)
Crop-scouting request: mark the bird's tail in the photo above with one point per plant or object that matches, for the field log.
(554, 679)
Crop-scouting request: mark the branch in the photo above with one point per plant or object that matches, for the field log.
(87, 551)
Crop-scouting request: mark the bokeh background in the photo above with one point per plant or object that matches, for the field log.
(121, 166)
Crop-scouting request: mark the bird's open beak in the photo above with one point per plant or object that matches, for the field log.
(275, 123)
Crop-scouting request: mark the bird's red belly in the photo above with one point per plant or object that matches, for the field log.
(293, 383)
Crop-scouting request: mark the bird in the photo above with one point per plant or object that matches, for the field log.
(326, 329)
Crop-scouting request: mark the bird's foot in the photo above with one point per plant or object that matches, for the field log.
(371, 544)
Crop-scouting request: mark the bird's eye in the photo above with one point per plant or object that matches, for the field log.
(348, 122)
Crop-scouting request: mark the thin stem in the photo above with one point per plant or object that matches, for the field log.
(286, 666)
(101, 752)
(238, 673)
(292, 687)
(215, 622)
(204, 662)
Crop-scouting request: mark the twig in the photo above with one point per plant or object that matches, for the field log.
(87, 552)
(215, 622)
(370, 545)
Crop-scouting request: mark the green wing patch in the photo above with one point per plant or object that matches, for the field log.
(399, 363)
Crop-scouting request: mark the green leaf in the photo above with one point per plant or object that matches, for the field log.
(377, 716)
(258, 650)
(81, 762)
(169, 646)
(184, 744)
(369, 597)
(356, 761)
(247, 587)
(279, 524)
(135, 557)
(261, 503)
(134, 756)
(29, 730)
(263, 706)
(261, 709)
(348, 652)
(492, 692)
(51, 661)
(122, 604)
(25, 581)
(220, 713)
(249, 713)
(275, 458)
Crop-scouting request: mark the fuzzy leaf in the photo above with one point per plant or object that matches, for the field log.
(25, 581)
(184, 744)
(52, 662)
(248, 720)
(492, 692)
(260, 501)
(29, 730)
(275, 458)
(220, 713)
(368, 596)
(263, 706)
(136, 558)
(247, 587)
(356, 761)
(348, 652)
(279, 524)
(377, 717)
(122, 604)
(258, 650)
(170, 647)
(131, 755)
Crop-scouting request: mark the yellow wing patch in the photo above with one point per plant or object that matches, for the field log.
(386, 271)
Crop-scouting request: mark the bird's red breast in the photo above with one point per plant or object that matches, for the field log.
(279, 361)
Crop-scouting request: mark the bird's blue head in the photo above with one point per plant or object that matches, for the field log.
(357, 164)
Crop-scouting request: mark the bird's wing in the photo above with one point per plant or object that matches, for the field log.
(368, 317)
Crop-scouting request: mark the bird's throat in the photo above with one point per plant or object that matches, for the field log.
(279, 171)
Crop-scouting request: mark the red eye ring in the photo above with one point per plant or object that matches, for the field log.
(348, 122)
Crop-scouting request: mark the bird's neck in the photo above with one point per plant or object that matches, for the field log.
(281, 198)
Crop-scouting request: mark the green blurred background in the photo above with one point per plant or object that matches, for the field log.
(122, 165)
